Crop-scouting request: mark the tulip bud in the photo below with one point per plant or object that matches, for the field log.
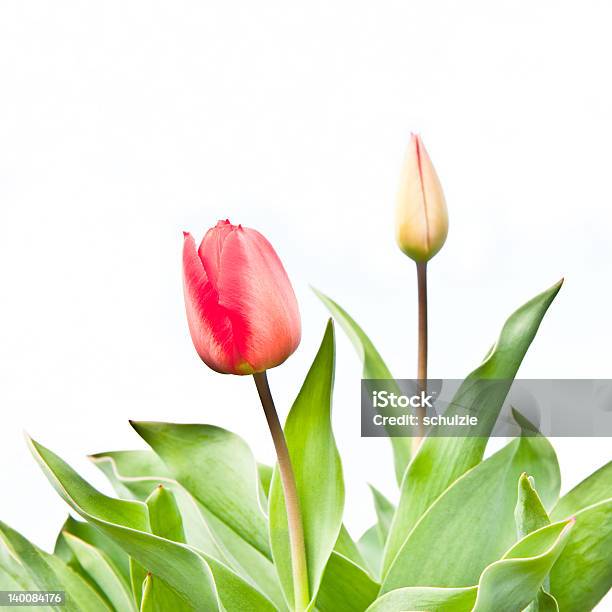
(241, 308)
(421, 218)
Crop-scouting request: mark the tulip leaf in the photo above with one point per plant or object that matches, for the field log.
(371, 547)
(471, 524)
(347, 547)
(345, 587)
(583, 572)
(508, 584)
(110, 584)
(384, 512)
(592, 490)
(226, 480)
(164, 515)
(133, 475)
(45, 572)
(373, 368)
(200, 580)
(441, 460)
(265, 477)
(166, 521)
(14, 576)
(426, 598)
(87, 533)
(157, 597)
(514, 581)
(530, 516)
(318, 474)
(529, 513)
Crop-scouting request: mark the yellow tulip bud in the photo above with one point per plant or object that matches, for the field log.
(421, 218)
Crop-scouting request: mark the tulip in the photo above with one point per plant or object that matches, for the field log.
(244, 319)
(421, 230)
(421, 215)
(241, 308)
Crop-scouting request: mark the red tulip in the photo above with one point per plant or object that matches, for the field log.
(241, 309)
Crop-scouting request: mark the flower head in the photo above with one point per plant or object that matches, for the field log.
(241, 308)
(421, 216)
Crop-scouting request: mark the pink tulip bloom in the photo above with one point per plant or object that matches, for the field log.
(241, 308)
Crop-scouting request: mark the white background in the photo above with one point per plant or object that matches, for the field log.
(123, 123)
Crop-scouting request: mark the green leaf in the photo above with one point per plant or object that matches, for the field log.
(513, 582)
(166, 522)
(48, 573)
(202, 581)
(103, 573)
(13, 575)
(544, 602)
(441, 460)
(592, 490)
(88, 533)
(373, 368)
(426, 598)
(371, 547)
(133, 474)
(583, 572)
(530, 515)
(265, 477)
(384, 512)
(472, 522)
(164, 515)
(157, 597)
(226, 480)
(345, 587)
(508, 584)
(347, 547)
(318, 474)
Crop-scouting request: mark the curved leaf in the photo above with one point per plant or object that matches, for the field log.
(426, 598)
(440, 461)
(156, 597)
(592, 490)
(164, 515)
(318, 474)
(384, 513)
(226, 480)
(583, 572)
(134, 474)
(373, 368)
(345, 587)
(347, 547)
(530, 516)
(101, 572)
(166, 522)
(50, 573)
(510, 584)
(88, 533)
(371, 547)
(202, 581)
(472, 523)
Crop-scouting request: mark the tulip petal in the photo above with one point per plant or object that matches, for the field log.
(257, 295)
(422, 218)
(209, 324)
(211, 247)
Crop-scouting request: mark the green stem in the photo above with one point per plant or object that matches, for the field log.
(422, 351)
(294, 519)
